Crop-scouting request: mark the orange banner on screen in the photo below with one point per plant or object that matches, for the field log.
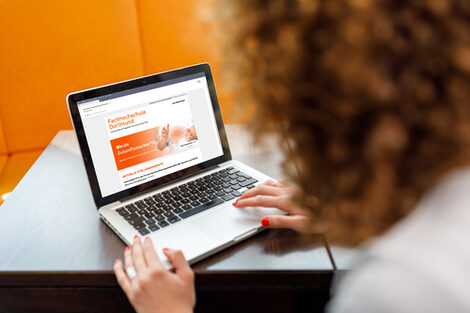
(136, 148)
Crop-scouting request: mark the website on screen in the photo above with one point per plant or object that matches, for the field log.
(136, 136)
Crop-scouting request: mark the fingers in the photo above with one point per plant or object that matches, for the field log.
(138, 256)
(263, 189)
(280, 202)
(296, 222)
(128, 257)
(151, 255)
(182, 267)
(121, 276)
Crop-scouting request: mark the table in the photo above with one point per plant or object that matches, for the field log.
(57, 255)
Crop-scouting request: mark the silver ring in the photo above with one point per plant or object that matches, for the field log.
(131, 273)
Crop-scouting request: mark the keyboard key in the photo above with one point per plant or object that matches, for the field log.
(201, 208)
(250, 187)
(150, 202)
(186, 207)
(212, 197)
(220, 193)
(176, 205)
(241, 178)
(248, 182)
(122, 211)
(160, 218)
(195, 203)
(177, 211)
(163, 224)
(185, 201)
(232, 171)
(149, 221)
(130, 216)
(203, 200)
(137, 220)
(149, 215)
(142, 212)
(158, 211)
(166, 207)
(228, 190)
(168, 214)
(228, 197)
(236, 193)
(236, 187)
(154, 227)
(174, 219)
(139, 226)
(144, 231)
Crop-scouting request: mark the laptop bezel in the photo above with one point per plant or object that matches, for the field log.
(74, 98)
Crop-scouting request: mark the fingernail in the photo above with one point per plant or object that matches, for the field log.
(165, 249)
(265, 221)
(117, 261)
(127, 248)
(147, 238)
(135, 237)
(235, 203)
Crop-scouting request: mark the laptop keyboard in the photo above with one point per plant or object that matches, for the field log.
(173, 205)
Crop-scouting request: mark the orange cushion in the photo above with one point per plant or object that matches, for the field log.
(52, 47)
(174, 35)
(14, 168)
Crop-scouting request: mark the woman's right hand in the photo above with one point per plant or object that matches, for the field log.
(276, 195)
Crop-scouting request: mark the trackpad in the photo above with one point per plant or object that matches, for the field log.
(227, 223)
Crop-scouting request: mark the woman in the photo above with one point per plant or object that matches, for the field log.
(374, 98)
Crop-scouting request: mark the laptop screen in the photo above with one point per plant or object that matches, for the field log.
(144, 133)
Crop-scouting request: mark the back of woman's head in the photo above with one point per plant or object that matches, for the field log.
(373, 95)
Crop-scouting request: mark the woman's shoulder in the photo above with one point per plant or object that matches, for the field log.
(386, 286)
(421, 264)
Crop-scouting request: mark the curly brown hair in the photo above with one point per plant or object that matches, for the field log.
(373, 96)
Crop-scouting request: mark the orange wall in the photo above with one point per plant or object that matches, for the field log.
(52, 47)
(175, 34)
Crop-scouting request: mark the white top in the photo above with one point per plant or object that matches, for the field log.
(422, 264)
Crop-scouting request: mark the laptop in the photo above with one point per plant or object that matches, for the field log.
(159, 164)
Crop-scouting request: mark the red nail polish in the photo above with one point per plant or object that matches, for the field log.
(135, 237)
(235, 203)
(147, 238)
(117, 261)
(127, 248)
(165, 249)
(265, 221)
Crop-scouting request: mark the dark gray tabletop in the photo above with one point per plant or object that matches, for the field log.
(50, 223)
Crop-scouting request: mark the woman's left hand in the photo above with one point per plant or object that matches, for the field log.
(154, 288)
